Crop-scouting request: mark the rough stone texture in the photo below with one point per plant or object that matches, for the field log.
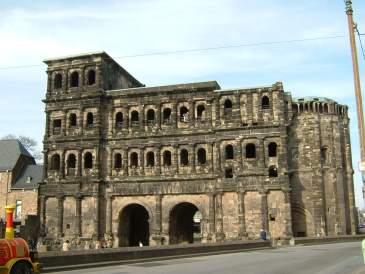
(127, 170)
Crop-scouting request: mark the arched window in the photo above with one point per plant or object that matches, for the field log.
(301, 108)
(320, 108)
(150, 159)
(57, 126)
(184, 114)
(229, 154)
(71, 161)
(88, 160)
(135, 117)
(265, 102)
(228, 173)
(273, 171)
(55, 162)
(134, 159)
(151, 116)
(272, 149)
(74, 79)
(227, 104)
(166, 115)
(325, 108)
(90, 120)
(91, 77)
(306, 107)
(119, 119)
(184, 157)
(73, 120)
(202, 156)
(167, 158)
(57, 81)
(250, 151)
(117, 161)
(200, 112)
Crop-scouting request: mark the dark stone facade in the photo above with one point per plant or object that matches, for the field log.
(134, 164)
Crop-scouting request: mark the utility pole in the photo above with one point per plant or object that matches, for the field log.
(360, 114)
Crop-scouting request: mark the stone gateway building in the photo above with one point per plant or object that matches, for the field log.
(189, 162)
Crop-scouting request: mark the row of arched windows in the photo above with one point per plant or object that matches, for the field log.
(71, 161)
(228, 105)
(319, 107)
(72, 122)
(74, 79)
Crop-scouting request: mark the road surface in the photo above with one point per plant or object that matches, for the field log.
(343, 258)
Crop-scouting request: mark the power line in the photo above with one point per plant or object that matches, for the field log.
(361, 45)
(255, 44)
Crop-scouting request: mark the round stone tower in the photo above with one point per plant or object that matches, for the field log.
(321, 174)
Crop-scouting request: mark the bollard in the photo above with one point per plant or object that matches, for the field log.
(9, 231)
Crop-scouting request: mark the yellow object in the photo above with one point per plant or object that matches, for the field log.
(9, 230)
(5, 269)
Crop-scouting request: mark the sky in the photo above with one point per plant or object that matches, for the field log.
(32, 31)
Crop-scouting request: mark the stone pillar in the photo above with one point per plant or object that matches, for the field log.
(48, 120)
(157, 230)
(288, 232)
(109, 215)
(158, 160)
(45, 164)
(175, 161)
(64, 123)
(60, 216)
(264, 211)
(42, 215)
(62, 164)
(219, 217)
(97, 216)
(192, 113)
(211, 218)
(81, 121)
(141, 160)
(241, 216)
(78, 231)
(79, 163)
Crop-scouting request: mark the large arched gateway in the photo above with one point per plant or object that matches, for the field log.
(184, 225)
(134, 226)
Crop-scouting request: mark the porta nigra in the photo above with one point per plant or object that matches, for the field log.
(188, 162)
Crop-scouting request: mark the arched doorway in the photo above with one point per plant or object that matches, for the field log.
(185, 224)
(302, 224)
(134, 226)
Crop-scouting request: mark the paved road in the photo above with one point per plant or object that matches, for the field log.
(344, 258)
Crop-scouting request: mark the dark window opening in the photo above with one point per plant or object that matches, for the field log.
(229, 154)
(202, 156)
(227, 107)
(151, 116)
(184, 114)
(167, 158)
(320, 108)
(166, 115)
(250, 151)
(55, 162)
(57, 126)
(135, 117)
(150, 159)
(272, 149)
(272, 217)
(91, 77)
(184, 157)
(134, 159)
(265, 102)
(71, 161)
(74, 79)
(325, 108)
(88, 160)
(324, 155)
(73, 120)
(57, 81)
(117, 161)
(200, 112)
(301, 108)
(273, 171)
(68, 226)
(228, 173)
(90, 120)
(119, 120)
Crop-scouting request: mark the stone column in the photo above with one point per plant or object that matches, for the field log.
(97, 216)
(219, 217)
(62, 164)
(175, 162)
(288, 232)
(60, 199)
(264, 211)
(48, 120)
(158, 160)
(64, 123)
(211, 218)
(109, 215)
(42, 215)
(79, 163)
(78, 200)
(241, 215)
(45, 164)
(157, 230)
(81, 121)
(192, 113)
